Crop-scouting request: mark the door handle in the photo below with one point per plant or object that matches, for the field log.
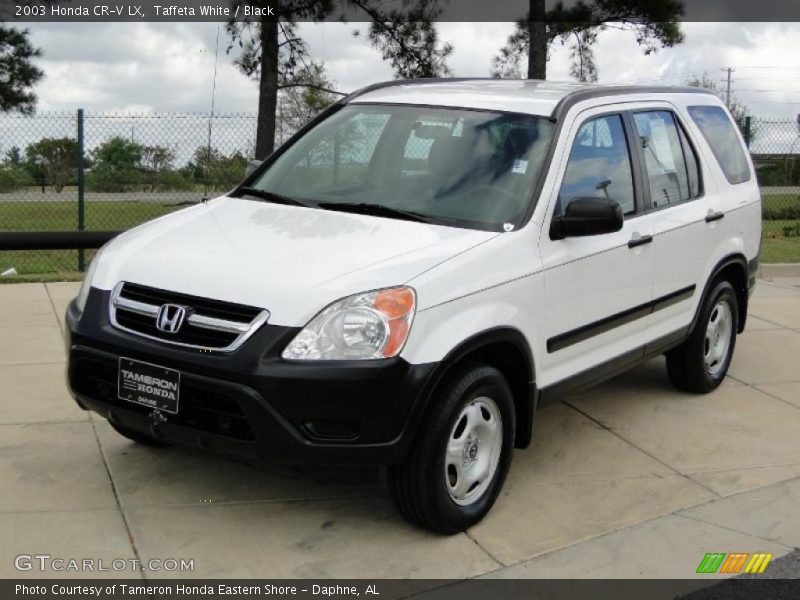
(640, 241)
(714, 216)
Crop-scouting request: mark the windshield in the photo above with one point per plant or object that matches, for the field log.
(464, 168)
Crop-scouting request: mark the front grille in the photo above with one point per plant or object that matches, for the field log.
(201, 408)
(208, 325)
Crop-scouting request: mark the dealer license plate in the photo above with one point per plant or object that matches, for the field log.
(149, 385)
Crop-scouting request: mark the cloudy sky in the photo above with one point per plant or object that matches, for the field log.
(169, 67)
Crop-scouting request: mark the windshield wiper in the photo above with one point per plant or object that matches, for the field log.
(376, 210)
(271, 197)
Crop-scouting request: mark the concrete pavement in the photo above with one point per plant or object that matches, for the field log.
(630, 479)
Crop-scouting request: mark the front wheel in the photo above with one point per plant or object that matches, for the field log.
(699, 364)
(461, 454)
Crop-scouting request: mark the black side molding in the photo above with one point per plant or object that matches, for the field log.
(612, 367)
(575, 336)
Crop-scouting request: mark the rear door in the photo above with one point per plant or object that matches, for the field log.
(598, 288)
(681, 202)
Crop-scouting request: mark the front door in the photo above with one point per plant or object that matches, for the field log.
(599, 287)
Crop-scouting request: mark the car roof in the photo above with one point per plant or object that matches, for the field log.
(528, 96)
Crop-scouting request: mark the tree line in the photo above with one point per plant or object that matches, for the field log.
(271, 51)
(118, 165)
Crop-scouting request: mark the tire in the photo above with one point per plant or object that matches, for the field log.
(700, 364)
(447, 492)
(137, 436)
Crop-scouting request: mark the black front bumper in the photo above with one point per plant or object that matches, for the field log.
(251, 404)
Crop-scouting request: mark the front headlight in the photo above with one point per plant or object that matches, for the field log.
(365, 326)
(83, 294)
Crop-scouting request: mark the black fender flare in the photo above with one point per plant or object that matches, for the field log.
(525, 400)
(739, 260)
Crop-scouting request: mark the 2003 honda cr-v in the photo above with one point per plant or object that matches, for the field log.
(412, 274)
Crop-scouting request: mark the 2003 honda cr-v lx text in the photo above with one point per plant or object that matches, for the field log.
(409, 277)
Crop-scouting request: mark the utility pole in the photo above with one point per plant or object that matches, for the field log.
(729, 70)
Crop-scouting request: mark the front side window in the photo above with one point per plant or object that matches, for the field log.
(599, 165)
(718, 130)
(464, 168)
(671, 175)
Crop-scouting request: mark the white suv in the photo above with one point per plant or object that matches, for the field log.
(406, 280)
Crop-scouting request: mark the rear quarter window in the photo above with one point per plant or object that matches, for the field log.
(720, 133)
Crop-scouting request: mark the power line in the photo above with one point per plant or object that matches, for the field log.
(706, 70)
(679, 75)
(772, 68)
(774, 102)
(676, 75)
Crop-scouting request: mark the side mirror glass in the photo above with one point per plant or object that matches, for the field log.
(587, 216)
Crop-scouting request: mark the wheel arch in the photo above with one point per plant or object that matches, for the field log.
(507, 350)
(733, 268)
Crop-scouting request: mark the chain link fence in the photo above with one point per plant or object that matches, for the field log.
(138, 167)
(775, 148)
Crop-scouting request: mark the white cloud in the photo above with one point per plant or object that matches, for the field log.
(763, 54)
(169, 67)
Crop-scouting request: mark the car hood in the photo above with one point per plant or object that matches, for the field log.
(293, 261)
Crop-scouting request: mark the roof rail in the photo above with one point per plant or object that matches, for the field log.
(561, 107)
(414, 81)
(572, 98)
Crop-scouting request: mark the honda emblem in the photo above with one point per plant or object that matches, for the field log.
(170, 318)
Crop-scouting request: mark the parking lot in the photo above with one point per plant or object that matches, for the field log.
(630, 479)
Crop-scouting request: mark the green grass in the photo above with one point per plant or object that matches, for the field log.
(775, 228)
(780, 250)
(62, 216)
(61, 264)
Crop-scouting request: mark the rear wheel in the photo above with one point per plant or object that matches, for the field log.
(461, 454)
(137, 436)
(700, 364)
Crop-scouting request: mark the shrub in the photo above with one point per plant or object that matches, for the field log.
(782, 213)
(172, 181)
(106, 179)
(12, 178)
(792, 230)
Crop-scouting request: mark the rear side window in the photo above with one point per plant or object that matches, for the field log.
(720, 133)
(672, 172)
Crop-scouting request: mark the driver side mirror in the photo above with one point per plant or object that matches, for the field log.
(587, 216)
